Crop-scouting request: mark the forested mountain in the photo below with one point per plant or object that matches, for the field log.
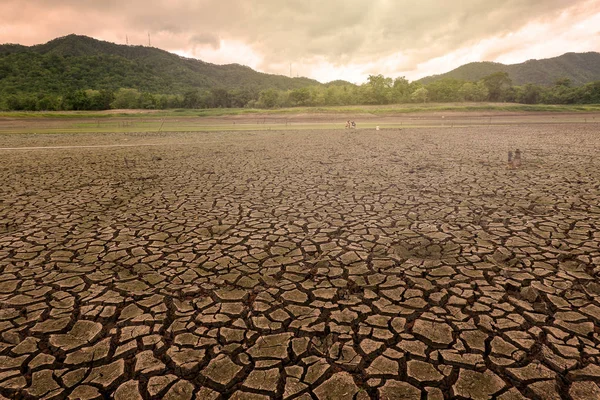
(82, 73)
(580, 68)
(73, 62)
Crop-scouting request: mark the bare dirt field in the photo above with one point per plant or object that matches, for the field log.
(148, 121)
(308, 264)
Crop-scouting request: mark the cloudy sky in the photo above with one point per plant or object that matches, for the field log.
(322, 39)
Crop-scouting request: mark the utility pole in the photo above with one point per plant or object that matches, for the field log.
(127, 40)
(149, 45)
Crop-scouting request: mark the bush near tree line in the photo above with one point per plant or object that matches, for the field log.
(378, 90)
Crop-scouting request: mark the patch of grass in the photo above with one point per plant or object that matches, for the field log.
(461, 107)
(375, 109)
(367, 117)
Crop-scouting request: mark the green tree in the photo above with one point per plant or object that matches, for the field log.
(497, 84)
(77, 100)
(99, 99)
(444, 90)
(529, 94)
(470, 91)
(481, 92)
(420, 95)
(300, 97)
(191, 99)
(400, 90)
(48, 103)
(219, 98)
(241, 97)
(268, 98)
(126, 99)
(170, 101)
(380, 89)
(13, 102)
(589, 93)
(148, 101)
(564, 82)
(317, 96)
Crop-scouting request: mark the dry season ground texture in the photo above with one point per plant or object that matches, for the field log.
(312, 264)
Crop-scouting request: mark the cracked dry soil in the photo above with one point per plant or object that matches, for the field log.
(393, 264)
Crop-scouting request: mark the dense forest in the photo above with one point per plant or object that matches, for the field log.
(81, 73)
(580, 68)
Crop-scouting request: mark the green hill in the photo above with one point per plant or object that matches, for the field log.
(580, 68)
(81, 73)
(75, 62)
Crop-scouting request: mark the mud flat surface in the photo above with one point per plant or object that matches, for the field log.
(325, 264)
(147, 121)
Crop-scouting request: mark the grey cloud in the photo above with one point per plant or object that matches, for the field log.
(206, 38)
(431, 28)
(339, 31)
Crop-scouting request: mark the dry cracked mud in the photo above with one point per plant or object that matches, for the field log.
(393, 264)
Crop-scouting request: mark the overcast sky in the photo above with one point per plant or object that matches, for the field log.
(322, 39)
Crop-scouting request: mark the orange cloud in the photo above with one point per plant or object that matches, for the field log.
(340, 39)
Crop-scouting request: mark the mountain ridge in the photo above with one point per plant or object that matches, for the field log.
(79, 72)
(580, 68)
(110, 66)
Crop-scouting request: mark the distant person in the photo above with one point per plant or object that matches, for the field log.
(517, 160)
(353, 125)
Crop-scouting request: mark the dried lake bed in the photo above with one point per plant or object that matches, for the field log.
(404, 263)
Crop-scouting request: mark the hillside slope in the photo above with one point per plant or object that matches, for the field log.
(79, 62)
(580, 68)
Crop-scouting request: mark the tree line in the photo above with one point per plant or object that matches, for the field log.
(378, 90)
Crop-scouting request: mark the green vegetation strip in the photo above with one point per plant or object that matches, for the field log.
(376, 110)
